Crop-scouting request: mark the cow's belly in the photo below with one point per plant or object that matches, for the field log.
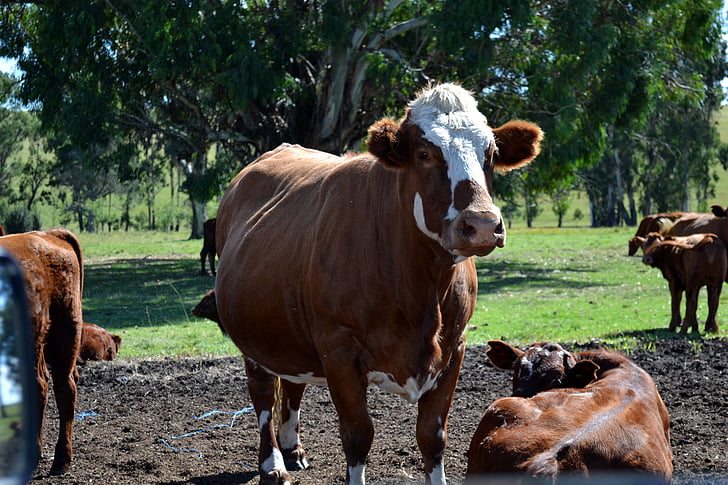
(413, 388)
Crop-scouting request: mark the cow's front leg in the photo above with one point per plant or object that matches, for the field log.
(711, 324)
(289, 431)
(691, 310)
(261, 386)
(349, 394)
(433, 410)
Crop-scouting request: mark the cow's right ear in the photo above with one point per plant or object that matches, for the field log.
(718, 211)
(384, 143)
(502, 355)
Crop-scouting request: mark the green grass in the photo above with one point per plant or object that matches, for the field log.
(566, 285)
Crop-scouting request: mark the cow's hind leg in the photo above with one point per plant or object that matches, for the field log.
(289, 431)
(691, 310)
(203, 256)
(711, 324)
(62, 359)
(261, 386)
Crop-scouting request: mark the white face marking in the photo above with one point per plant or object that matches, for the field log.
(273, 462)
(288, 437)
(356, 475)
(412, 390)
(420, 219)
(449, 118)
(437, 476)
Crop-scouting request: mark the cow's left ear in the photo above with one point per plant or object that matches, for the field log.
(384, 143)
(503, 355)
(518, 143)
(581, 374)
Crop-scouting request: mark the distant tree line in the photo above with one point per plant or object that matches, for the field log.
(124, 90)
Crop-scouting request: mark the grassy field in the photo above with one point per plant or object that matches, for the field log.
(566, 285)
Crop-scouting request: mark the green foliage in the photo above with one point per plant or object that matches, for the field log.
(18, 218)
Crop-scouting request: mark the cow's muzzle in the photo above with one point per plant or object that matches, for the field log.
(475, 233)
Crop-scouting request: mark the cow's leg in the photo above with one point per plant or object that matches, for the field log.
(433, 409)
(691, 309)
(676, 297)
(261, 386)
(203, 256)
(289, 431)
(211, 257)
(711, 324)
(61, 354)
(348, 390)
(42, 377)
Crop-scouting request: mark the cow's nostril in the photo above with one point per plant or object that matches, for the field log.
(500, 229)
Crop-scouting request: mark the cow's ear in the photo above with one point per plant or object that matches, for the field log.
(718, 211)
(518, 143)
(502, 355)
(384, 143)
(581, 374)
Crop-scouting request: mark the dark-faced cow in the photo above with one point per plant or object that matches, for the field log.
(97, 343)
(660, 223)
(357, 270)
(581, 414)
(52, 266)
(689, 263)
(208, 246)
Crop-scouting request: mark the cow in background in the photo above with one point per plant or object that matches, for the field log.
(208, 245)
(97, 344)
(689, 263)
(207, 308)
(660, 223)
(52, 266)
(578, 414)
(357, 270)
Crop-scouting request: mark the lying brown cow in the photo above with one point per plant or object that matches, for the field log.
(660, 223)
(689, 263)
(52, 266)
(207, 308)
(357, 270)
(582, 414)
(97, 344)
(208, 245)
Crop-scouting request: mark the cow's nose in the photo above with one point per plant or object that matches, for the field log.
(481, 228)
(647, 259)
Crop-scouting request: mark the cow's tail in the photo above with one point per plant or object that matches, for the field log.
(70, 238)
(277, 402)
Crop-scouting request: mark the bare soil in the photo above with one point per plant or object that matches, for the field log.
(137, 421)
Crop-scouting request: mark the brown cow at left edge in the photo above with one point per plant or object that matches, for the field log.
(52, 266)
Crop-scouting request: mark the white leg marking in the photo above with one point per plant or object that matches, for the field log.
(288, 432)
(273, 462)
(437, 476)
(263, 420)
(356, 475)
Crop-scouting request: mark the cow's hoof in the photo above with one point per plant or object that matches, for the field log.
(60, 468)
(276, 477)
(295, 459)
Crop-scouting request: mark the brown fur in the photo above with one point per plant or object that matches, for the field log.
(617, 422)
(97, 344)
(323, 272)
(52, 265)
(689, 263)
(653, 223)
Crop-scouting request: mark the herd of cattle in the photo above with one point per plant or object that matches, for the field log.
(357, 270)
(689, 248)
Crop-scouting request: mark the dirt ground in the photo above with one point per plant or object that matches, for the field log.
(171, 421)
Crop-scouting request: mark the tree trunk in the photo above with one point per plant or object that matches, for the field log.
(199, 216)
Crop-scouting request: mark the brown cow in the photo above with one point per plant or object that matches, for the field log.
(207, 308)
(660, 223)
(572, 414)
(97, 344)
(52, 266)
(688, 265)
(357, 270)
(208, 246)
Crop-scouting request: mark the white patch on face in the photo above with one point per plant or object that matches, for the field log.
(273, 462)
(356, 475)
(419, 213)
(412, 390)
(449, 118)
(288, 437)
(437, 475)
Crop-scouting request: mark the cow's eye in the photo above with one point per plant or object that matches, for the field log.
(423, 156)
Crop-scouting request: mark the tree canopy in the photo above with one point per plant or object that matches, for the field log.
(606, 80)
